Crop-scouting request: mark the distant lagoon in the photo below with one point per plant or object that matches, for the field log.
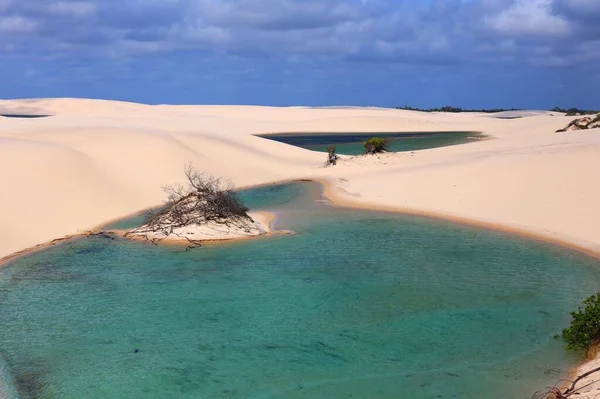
(352, 143)
(363, 303)
(24, 116)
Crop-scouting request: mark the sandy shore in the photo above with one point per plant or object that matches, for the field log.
(590, 386)
(94, 161)
(97, 160)
(262, 226)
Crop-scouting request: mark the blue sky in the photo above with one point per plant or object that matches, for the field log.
(426, 53)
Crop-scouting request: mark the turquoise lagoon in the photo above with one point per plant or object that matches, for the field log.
(352, 143)
(356, 304)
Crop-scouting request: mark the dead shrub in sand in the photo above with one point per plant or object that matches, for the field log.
(204, 199)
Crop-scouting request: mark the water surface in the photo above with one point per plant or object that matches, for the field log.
(356, 304)
(24, 116)
(352, 143)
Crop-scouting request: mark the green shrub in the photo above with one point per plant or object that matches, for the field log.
(584, 331)
(375, 145)
(332, 156)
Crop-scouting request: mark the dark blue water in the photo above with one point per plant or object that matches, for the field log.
(352, 143)
(355, 304)
(23, 116)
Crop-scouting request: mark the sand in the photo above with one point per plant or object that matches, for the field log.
(260, 225)
(589, 387)
(93, 161)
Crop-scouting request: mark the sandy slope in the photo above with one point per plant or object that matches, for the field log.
(260, 225)
(97, 160)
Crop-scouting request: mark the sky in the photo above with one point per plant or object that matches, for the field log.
(423, 53)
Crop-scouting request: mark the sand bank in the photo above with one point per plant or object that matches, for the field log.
(261, 225)
(590, 386)
(97, 160)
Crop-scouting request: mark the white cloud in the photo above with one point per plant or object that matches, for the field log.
(589, 51)
(4, 4)
(199, 32)
(581, 7)
(551, 61)
(436, 31)
(16, 24)
(74, 8)
(530, 18)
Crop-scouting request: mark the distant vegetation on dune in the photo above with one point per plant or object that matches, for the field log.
(457, 109)
(448, 108)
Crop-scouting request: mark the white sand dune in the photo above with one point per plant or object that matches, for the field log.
(520, 114)
(260, 225)
(96, 160)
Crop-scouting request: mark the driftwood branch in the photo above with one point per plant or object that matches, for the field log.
(193, 243)
(572, 390)
(101, 234)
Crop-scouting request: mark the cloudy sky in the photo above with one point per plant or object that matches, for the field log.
(469, 53)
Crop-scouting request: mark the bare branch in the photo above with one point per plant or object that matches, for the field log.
(573, 390)
(204, 199)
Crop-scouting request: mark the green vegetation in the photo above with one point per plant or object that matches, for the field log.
(375, 145)
(332, 156)
(584, 331)
(456, 109)
(448, 108)
(574, 111)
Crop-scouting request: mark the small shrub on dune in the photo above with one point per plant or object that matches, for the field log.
(332, 156)
(375, 145)
(584, 331)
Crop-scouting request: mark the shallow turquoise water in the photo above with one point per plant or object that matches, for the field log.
(356, 304)
(352, 143)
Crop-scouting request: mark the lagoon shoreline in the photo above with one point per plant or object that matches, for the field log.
(334, 197)
(265, 218)
(524, 180)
